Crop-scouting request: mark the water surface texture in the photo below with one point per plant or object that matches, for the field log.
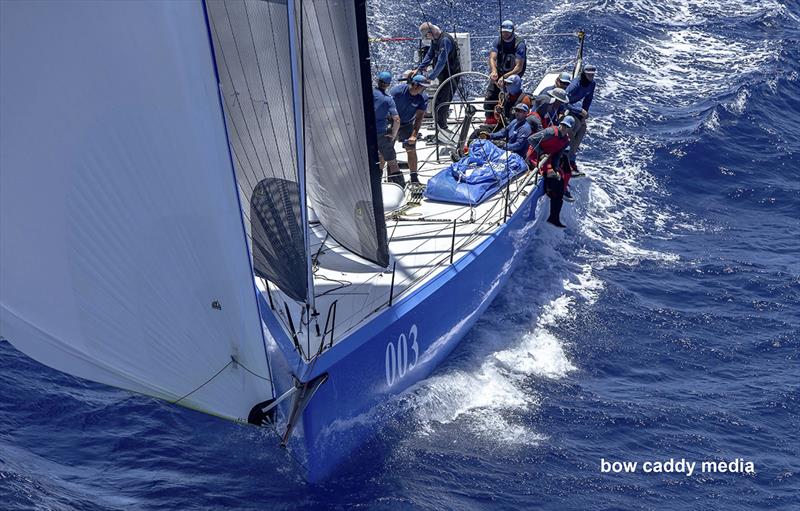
(663, 323)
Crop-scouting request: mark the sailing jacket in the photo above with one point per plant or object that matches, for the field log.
(517, 133)
(580, 89)
(443, 53)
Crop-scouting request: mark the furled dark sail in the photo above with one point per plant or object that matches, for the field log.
(343, 181)
(252, 52)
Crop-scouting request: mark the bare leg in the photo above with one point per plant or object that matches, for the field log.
(412, 159)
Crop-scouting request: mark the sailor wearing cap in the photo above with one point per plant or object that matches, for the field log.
(411, 102)
(514, 137)
(554, 141)
(581, 93)
(385, 111)
(549, 105)
(443, 56)
(507, 57)
(513, 96)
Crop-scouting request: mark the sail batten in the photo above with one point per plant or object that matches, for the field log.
(343, 182)
(251, 40)
(123, 256)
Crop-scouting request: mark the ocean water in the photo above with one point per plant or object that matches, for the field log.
(663, 323)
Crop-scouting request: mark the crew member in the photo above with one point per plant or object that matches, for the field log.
(562, 82)
(507, 57)
(411, 102)
(554, 141)
(513, 96)
(514, 137)
(546, 114)
(581, 89)
(443, 56)
(385, 110)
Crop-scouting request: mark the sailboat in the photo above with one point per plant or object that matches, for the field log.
(192, 210)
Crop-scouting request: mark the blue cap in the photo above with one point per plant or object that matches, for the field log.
(420, 80)
(513, 84)
(565, 77)
(568, 121)
(507, 26)
(521, 107)
(385, 77)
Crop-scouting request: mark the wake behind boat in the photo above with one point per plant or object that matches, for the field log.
(184, 221)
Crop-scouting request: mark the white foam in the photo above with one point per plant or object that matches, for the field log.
(681, 67)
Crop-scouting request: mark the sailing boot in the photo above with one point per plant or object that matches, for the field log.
(555, 190)
(575, 171)
(568, 196)
(414, 178)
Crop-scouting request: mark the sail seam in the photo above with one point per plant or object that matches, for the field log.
(221, 100)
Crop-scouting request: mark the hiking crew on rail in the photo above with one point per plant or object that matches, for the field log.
(552, 124)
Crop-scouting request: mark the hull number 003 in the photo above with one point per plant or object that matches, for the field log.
(397, 356)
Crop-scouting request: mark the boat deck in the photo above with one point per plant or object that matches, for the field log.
(423, 237)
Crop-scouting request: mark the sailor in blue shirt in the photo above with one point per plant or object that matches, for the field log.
(581, 90)
(386, 111)
(514, 137)
(411, 102)
(507, 57)
(443, 56)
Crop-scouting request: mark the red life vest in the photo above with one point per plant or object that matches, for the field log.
(544, 120)
(555, 143)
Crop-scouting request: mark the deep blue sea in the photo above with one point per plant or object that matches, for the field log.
(663, 323)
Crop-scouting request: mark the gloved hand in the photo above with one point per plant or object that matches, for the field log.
(483, 135)
(500, 143)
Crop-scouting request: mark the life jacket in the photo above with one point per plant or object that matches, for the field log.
(453, 61)
(545, 120)
(549, 146)
(507, 60)
(510, 102)
(555, 143)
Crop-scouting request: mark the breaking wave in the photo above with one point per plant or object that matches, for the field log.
(677, 67)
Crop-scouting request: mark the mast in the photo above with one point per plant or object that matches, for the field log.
(295, 19)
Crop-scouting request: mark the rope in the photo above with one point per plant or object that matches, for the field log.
(231, 361)
(203, 384)
(401, 39)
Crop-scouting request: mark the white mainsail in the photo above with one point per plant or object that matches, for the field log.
(123, 258)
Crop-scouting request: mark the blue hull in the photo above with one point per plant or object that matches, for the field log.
(402, 345)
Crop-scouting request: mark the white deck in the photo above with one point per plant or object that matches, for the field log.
(420, 241)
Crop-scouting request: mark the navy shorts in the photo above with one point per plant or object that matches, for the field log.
(404, 132)
(386, 147)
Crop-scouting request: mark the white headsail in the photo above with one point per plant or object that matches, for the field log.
(122, 253)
